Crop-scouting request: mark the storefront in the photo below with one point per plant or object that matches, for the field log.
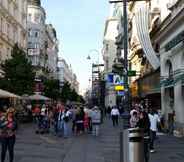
(149, 89)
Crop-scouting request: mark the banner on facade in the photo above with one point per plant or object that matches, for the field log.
(142, 20)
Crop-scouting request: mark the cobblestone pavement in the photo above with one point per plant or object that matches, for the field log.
(31, 147)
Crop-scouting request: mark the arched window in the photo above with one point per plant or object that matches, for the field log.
(169, 69)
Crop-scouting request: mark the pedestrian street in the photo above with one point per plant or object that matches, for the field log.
(31, 147)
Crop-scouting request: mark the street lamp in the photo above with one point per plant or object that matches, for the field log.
(96, 51)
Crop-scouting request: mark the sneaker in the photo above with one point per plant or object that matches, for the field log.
(152, 151)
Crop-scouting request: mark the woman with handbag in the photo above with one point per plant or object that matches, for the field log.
(8, 128)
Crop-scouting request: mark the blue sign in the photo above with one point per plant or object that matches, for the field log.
(120, 93)
(110, 78)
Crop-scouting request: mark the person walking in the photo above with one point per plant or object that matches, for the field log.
(60, 123)
(144, 123)
(8, 126)
(115, 115)
(154, 120)
(134, 119)
(96, 121)
(80, 120)
(66, 118)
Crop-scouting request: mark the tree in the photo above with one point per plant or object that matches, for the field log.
(51, 88)
(65, 92)
(19, 75)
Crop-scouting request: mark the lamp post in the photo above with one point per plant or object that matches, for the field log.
(89, 57)
(96, 80)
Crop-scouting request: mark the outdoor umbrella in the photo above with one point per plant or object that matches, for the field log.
(6, 94)
(39, 97)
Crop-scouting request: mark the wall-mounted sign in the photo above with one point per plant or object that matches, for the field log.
(175, 41)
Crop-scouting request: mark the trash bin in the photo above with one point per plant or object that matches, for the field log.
(133, 145)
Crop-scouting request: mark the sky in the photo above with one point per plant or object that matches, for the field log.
(80, 26)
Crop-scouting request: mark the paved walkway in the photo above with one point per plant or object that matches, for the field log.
(31, 147)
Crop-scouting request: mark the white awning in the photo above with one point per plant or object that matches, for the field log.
(6, 94)
(38, 97)
(142, 20)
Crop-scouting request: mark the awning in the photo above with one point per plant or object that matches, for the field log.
(142, 20)
(38, 97)
(6, 94)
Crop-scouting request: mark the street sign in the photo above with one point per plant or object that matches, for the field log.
(119, 88)
(131, 73)
(120, 93)
(118, 80)
(110, 78)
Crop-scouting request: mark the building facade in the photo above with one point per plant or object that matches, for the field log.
(146, 84)
(171, 36)
(167, 35)
(12, 26)
(110, 50)
(52, 51)
(65, 74)
(42, 44)
(37, 45)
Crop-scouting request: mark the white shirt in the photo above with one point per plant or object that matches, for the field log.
(115, 112)
(154, 119)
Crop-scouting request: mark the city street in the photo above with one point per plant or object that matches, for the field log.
(86, 148)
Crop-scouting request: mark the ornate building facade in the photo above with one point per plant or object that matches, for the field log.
(12, 26)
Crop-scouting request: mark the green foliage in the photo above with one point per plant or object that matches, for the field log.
(66, 92)
(51, 88)
(19, 75)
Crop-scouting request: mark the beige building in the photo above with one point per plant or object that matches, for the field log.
(110, 50)
(65, 74)
(12, 26)
(51, 51)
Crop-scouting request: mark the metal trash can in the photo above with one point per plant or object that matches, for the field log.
(133, 145)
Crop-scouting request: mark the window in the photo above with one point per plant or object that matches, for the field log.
(37, 18)
(36, 34)
(8, 29)
(107, 47)
(37, 45)
(29, 32)
(29, 17)
(1, 24)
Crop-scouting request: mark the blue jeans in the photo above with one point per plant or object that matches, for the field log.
(66, 129)
(60, 128)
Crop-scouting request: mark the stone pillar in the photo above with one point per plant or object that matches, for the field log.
(179, 109)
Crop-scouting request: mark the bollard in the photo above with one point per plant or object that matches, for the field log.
(133, 145)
